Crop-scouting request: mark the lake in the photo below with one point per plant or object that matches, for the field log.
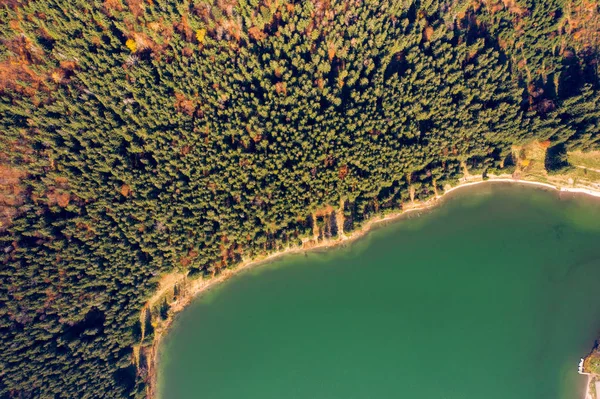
(492, 294)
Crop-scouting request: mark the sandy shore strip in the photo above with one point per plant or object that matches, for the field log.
(588, 394)
(195, 288)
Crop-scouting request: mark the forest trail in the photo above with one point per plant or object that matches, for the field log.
(143, 322)
(138, 347)
(316, 230)
(166, 284)
(466, 173)
(587, 168)
(339, 219)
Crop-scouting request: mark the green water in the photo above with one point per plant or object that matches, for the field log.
(493, 295)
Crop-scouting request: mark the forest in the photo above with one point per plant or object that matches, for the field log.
(138, 137)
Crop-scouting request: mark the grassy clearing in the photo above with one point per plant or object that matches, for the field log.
(584, 174)
(590, 160)
(592, 363)
(530, 160)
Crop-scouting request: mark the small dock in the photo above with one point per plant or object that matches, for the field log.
(580, 368)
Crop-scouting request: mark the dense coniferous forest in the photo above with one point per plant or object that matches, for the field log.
(139, 137)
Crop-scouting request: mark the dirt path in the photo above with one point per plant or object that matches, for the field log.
(165, 285)
(339, 218)
(586, 168)
(588, 393)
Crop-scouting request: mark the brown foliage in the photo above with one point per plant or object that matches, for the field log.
(10, 175)
(223, 22)
(428, 33)
(96, 41)
(514, 8)
(17, 67)
(187, 259)
(511, 6)
(15, 25)
(61, 181)
(184, 105)
(343, 172)
(137, 7)
(12, 194)
(24, 50)
(184, 29)
(327, 210)
(534, 91)
(502, 43)
(331, 51)
(125, 190)
(10, 3)
(57, 193)
(281, 87)
(143, 41)
(110, 5)
(227, 6)
(60, 198)
(256, 34)
(582, 22)
(68, 65)
(329, 160)
(233, 28)
(12, 71)
(545, 106)
(202, 10)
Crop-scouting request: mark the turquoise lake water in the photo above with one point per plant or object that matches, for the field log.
(493, 294)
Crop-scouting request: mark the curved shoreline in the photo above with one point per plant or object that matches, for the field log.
(200, 286)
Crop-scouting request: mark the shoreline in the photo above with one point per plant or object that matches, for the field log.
(200, 286)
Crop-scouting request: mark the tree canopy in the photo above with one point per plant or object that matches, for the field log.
(138, 137)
